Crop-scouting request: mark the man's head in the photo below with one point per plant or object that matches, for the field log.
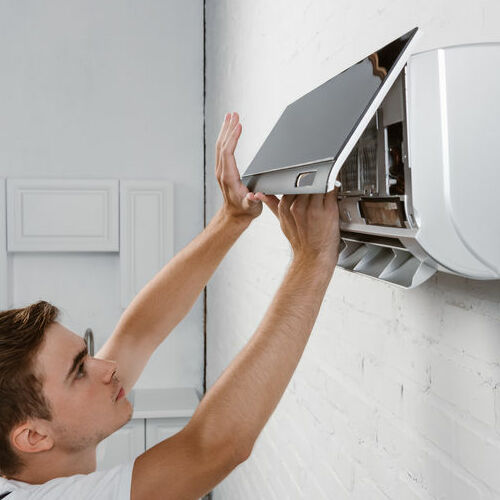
(54, 398)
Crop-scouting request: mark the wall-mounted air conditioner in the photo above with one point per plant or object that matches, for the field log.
(413, 141)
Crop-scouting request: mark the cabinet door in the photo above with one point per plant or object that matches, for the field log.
(158, 429)
(123, 446)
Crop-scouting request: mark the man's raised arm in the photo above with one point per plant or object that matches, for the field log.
(228, 420)
(168, 297)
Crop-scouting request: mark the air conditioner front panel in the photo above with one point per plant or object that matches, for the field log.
(451, 205)
(337, 111)
(305, 179)
(473, 111)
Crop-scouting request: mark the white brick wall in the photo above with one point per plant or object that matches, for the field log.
(397, 395)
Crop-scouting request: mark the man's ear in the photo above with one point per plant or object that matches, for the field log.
(31, 437)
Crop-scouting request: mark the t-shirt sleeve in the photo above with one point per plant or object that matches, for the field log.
(110, 484)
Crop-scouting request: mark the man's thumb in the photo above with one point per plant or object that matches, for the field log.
(251, 198)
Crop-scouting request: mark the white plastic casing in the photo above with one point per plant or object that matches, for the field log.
(453, 107)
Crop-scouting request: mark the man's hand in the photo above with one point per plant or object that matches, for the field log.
(310, 222)
(239, 202)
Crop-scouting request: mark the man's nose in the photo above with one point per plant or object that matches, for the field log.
(110, 372)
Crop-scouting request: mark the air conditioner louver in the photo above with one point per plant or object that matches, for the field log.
(394, 265)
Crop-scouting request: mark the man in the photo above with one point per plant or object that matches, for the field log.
(72, 401)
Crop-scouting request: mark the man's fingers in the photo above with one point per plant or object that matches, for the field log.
(286, 201)
(232, 140)
(287, 222)
(226, 170)
(331, 198)
(300, 205)
(222, 133)
(316, 202)
(270, 200)
(232, 123)
(229, 170)
(218, 144)
(284, 207)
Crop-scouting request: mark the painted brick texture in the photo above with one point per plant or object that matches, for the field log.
(397, 394)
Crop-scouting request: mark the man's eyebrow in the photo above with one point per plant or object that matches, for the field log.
(76, 361)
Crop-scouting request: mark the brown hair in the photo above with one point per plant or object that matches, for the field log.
(21, 396)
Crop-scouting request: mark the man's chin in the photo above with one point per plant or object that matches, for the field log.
(125, 418)
(129, 412)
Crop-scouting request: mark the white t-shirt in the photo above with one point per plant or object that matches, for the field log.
(110, 484)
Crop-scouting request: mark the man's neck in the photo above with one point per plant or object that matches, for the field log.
(43, 468)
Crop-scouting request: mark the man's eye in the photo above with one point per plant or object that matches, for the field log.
(81, 371)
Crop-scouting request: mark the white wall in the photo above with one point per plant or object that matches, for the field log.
(396, 396)
(105, 89)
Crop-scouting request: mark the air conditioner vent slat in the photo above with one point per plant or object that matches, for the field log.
(394, 265)
(374, 261)
(398, 259)
(403, 274)
(352, 253)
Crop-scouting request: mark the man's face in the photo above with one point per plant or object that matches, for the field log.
(84, 406)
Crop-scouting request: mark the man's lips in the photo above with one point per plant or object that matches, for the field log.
(119, 393)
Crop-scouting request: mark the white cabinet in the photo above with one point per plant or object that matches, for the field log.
(123, 446)
(132, 217)
(134, 438)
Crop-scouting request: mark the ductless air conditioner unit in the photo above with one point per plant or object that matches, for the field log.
(413, 140)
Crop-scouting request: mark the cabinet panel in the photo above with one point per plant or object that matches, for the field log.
(123, 446)
(51, 215)
(146, 232)
(158, 429)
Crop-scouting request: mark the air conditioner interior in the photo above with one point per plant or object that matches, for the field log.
(375, 176)
(376, 191)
